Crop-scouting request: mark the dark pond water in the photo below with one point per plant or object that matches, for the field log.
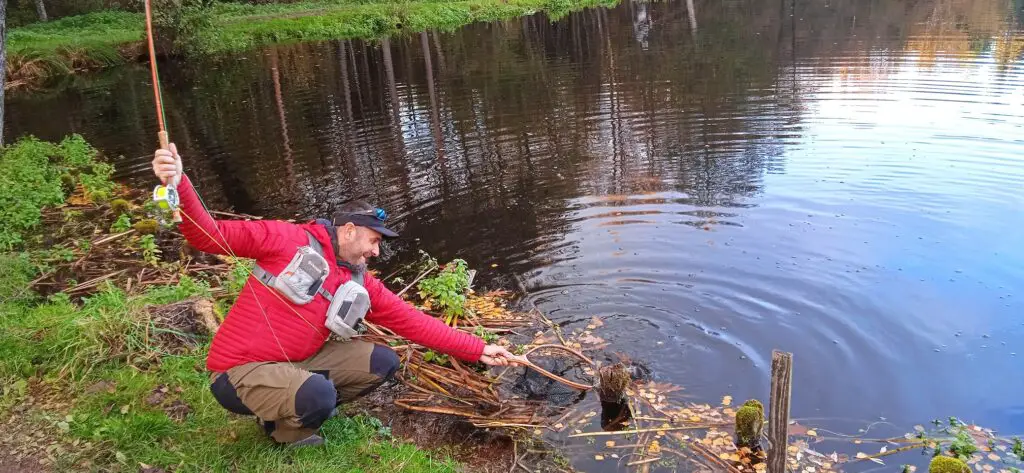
(842, 180)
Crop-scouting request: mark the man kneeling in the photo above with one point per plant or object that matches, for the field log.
(272, 356)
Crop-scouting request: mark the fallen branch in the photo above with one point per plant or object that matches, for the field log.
(641, 462)
(414, 281)
(112, 237)
(652, 429)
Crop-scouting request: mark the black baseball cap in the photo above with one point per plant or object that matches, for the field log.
(364, 215)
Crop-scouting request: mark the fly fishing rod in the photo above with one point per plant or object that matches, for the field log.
(166, 195)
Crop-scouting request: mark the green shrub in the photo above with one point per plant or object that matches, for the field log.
(122, 224)
(30, 179)
(448, 289)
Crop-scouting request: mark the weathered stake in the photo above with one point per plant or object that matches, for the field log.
(778, 420)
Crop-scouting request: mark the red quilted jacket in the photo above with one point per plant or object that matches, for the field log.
(262, 325)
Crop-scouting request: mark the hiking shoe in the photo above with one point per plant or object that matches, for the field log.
(311, 441)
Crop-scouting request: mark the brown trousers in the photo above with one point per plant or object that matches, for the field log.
(294, 399)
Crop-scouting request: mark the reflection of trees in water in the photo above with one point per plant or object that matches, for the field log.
(496, 126)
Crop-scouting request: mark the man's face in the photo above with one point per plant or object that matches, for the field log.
(358, 244)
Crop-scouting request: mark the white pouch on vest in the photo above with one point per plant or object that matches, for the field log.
(348, 308)
(301, 279)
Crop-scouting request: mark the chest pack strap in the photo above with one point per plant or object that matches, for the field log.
(268, 279)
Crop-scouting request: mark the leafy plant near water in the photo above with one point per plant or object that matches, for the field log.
(150, 252)
(122, 224)
(431, 356)
(447, 290)
(486, 336)
(30, 179)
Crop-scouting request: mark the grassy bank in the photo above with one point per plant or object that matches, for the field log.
(96, 40)
(61, 47)
(113, 379)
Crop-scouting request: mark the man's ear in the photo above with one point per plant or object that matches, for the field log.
(348, 230)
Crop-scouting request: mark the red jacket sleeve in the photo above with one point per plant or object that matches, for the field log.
(246, 239)
(389, 310)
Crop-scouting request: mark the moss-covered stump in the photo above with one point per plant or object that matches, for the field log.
(749, 423)
(146, 226)
(942, 464)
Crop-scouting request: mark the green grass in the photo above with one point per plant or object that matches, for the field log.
(100, 30)
(239, 27)
(74, 348)
(40, 51)
(96, 364)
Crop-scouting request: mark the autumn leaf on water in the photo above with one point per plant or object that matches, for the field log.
(993, 457)
(598, 457)
(796, 428)
(812, 433)
(727, 400)
(609, 444)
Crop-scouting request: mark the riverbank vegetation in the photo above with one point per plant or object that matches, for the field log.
(106, 372)
(94, 40)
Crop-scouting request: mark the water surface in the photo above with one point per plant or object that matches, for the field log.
(841, 180)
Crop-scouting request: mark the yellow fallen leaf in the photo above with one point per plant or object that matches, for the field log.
(858, 441)
(812, 433)
(609, 444)
(559, 426)
(694, 418)
(793, 449)
(598, 457)
(538, 432)
(494, 265)
(723, 456)
(727, 400)
(761, 467)
(654, 447)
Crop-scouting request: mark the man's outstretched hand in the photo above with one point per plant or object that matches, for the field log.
(496, 355)
(167, 165)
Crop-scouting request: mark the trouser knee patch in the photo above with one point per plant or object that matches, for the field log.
(383, 362)
(314, 401)
(225, 394)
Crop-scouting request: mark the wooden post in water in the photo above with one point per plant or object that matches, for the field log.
(778, 410)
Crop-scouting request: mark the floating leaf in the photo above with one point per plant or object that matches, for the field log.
(727, 400)
(609, 444)
(598, 457)
(812, 433)
(993, 457)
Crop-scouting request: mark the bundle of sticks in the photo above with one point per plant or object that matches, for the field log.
(447, 386)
